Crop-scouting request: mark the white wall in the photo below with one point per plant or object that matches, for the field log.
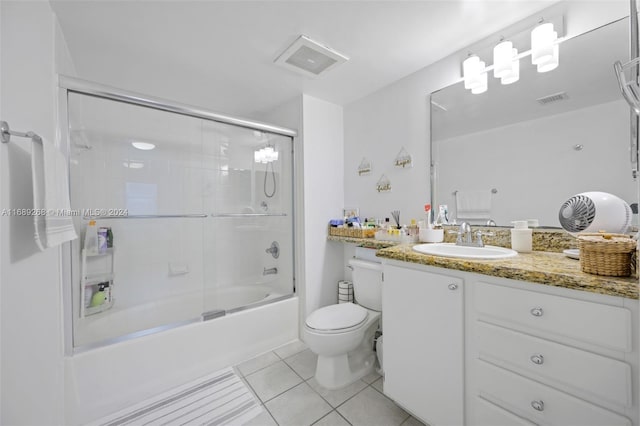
(320, 196)
(30, 293)
(323, 199)
(378, 125)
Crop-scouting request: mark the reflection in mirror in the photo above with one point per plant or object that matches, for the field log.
(536, 142)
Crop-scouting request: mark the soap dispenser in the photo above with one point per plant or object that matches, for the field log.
(521, 237)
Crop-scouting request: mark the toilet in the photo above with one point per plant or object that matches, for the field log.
(342, 335)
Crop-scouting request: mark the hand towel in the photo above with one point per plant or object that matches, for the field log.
(53, 225)
(473, 205)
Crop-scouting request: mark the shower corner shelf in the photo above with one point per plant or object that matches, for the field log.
(96, 280)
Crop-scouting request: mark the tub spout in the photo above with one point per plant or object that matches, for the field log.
(270, 271)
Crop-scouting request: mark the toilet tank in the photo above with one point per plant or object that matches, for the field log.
(367, 283)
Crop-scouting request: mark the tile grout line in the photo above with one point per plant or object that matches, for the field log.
(262, 404)
(305, 381)
(237, 367)
(259, 369)
(333, 411)
(288, 389)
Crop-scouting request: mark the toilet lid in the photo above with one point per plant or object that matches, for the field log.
(337, 317)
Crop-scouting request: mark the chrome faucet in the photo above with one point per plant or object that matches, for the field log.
(269, 271)
(274, 249)
(465, 236)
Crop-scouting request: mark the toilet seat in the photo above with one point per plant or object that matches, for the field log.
(339, 318)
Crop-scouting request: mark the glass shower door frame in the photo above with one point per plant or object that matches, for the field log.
(69, 85)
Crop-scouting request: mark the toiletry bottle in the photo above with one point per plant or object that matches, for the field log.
(109, 238)
(98, 297)
(91, 238)
(428, 211)
(443, 215)
(102, 240)
(521, 237)
(413, 228)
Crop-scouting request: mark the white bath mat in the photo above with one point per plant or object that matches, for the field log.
(217, 399)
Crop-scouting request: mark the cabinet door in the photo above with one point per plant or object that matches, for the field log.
(423, 343)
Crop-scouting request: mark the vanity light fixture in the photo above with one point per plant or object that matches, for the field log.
(545, 52)
(483, 84)
(502, 59)
(544, 47)
(514, 75)
(473, 69)
(506, 65)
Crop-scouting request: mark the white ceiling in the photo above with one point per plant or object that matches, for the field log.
(219, 54)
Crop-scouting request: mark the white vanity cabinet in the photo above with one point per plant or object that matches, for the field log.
(423, 342)
(537, 354)
(462, 348)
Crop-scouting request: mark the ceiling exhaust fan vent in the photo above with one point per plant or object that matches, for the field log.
(556, 97)
(309, 57)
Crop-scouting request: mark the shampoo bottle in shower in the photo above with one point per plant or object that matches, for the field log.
(91, 238)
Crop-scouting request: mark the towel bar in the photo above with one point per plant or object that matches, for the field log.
(6, 133)
(493, 191)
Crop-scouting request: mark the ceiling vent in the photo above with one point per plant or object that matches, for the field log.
(309, 57)
(556, 97)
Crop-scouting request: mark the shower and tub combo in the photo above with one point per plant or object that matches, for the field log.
(199, 207)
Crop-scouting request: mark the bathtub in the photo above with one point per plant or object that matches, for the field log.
(123, 323)
(102, 380)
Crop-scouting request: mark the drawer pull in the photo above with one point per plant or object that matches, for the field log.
(537, 359)
(537, 312)
(537, 405)
(453, 286)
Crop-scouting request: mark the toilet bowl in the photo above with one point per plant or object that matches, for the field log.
(342, 335)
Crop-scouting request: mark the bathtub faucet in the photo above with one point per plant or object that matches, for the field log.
(270, 271)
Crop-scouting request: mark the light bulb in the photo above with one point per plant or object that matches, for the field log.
(552, 62)
(472, 67)
(514, 75)
(483, 84)
(543, 40)
(502, 59)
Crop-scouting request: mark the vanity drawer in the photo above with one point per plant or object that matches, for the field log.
(602, 325)
(489, 414)
(593, 377)
(540, 403)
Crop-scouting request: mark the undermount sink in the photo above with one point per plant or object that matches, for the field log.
(465, 252)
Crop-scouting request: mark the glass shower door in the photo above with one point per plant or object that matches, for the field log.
(138, 172)
(249, 239)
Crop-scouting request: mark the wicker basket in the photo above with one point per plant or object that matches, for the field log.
(352, 232)
(606, 254)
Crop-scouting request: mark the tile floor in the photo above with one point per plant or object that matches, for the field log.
(283, 380)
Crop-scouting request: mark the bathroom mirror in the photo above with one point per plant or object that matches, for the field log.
(531, 145)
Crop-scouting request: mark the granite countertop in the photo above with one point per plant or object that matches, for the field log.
(371, 243)
(541, 267)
